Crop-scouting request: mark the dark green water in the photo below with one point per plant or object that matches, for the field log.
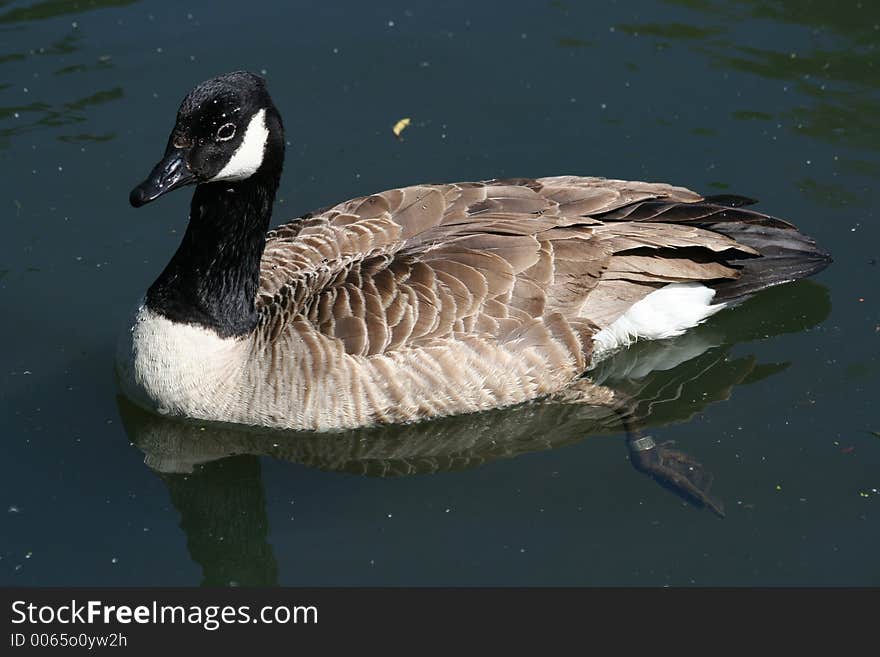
(778, 100)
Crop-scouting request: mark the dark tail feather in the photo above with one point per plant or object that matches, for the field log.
(786, 255)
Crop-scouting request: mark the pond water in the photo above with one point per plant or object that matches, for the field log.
(777, 100)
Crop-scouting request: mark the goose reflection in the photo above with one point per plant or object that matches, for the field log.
(213, 471)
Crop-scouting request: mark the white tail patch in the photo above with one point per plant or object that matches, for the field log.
(665, 313)
(248, 157)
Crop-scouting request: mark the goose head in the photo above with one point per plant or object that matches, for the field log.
(227, 130)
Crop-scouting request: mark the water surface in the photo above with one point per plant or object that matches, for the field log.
(777, 100)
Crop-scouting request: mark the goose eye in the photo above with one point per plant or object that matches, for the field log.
(226, 132)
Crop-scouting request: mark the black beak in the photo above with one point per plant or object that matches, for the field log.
(169, 174)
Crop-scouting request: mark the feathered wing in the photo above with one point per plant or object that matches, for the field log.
(407, 266)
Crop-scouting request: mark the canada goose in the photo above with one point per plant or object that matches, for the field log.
(664, 382)
(421, 301)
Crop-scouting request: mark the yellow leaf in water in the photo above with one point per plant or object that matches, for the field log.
(400, 126)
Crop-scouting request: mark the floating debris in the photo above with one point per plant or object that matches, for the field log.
(400, 126)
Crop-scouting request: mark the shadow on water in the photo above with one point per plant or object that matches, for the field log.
(836, 70)
(52, 8)
(213, 471)
(61, 115)
(224, 505)
(40, 115)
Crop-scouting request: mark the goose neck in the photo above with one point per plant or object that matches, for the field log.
(213, 278)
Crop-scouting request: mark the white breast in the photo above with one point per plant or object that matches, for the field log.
(665, 313)
(179, 369)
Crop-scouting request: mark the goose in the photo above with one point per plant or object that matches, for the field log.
(421, 301)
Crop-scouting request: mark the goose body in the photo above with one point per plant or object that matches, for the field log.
(422, 301)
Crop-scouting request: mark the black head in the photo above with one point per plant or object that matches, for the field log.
(227, 129)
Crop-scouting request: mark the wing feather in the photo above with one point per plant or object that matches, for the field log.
(543, 261)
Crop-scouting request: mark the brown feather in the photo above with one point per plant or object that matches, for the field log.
(530, 246)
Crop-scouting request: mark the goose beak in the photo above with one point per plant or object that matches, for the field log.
(171, 173)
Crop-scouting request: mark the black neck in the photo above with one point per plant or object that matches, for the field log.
(213, 278)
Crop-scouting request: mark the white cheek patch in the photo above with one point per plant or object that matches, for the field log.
(249, 155)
